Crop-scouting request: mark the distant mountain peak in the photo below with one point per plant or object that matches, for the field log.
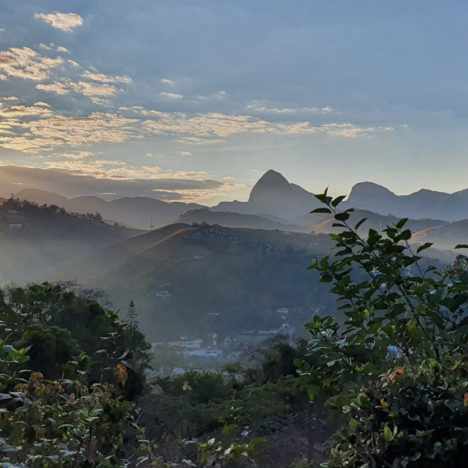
(369, 189)
(273, 176)
(270, 182)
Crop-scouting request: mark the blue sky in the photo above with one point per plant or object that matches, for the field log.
(207, 95)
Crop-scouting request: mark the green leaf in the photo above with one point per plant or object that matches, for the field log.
(388, 434)
(461, 246)
(338, 200)
(424, 247)
(359, 223)
(406, 235)
(312, 391)
(342, 216)
(401, 223)
(321, 210)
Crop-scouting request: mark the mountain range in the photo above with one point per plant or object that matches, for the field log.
(137, 212)
(275, 203)
(422, 204)
(228, 269)
(272, 197)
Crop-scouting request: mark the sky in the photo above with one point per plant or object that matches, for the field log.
(194, 99)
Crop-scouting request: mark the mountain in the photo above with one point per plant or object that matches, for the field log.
(138, 212)
(375, 221)
(456, 206)
(422, 204)
(445, 236)
(42, 197)
(198, 280)
(228, 219)
(36, 239)
(280, 204)
(273, 195)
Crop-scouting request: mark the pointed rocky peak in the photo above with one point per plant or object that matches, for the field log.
(271, 181)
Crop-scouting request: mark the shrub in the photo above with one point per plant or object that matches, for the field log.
(406, 332)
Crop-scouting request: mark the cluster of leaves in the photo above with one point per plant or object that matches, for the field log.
(216, 452)
(62, 326)
(60, 422)
(403, 319)
(415, 416)
(64, 401)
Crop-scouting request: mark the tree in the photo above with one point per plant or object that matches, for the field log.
(51, 348)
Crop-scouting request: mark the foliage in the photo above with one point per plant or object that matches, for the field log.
(51, 349)
(216, 451)
(402, 317)
(60, 406)
(58, 422)
(62, 325)
(409, 417)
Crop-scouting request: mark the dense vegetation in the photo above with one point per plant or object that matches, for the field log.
(397, 371)
(69, 373)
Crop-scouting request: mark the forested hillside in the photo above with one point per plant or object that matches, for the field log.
(34, 239)
(204, 279)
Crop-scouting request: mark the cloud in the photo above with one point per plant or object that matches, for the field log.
(101, 77)
(56, 87)
(259, 108)
(49, 131)
(98, 93)
(27, 64)
(62, 49)
(45, 46)
(38, 128)
(76, 155)
(115, 177)
(14, 112)
(185, 153)
(63, 21)
(167, 81)
(171, 95)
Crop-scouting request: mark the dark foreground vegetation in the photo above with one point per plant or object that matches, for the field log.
(389, 386)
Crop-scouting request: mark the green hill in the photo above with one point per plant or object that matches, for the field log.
(197, 280)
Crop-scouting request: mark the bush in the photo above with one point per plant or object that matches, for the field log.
(397, 368)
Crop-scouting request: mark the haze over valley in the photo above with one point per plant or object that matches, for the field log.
(236, 267)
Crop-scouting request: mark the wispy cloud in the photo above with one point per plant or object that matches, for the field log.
(27, 64)
(101, 77)
(74, 178)
(37, 128)
(64, 21)
(76, 155)
(168, 82)
(171, 95)
(98, 93)
(260, 108)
